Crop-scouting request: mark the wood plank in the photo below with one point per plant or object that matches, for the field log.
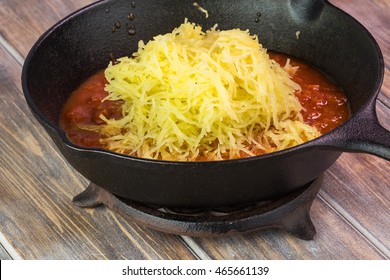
(335, 239)
(22, 23)
(4, 254)
(360, 185)
(37, 186)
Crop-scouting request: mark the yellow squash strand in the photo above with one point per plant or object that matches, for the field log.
(194, 95)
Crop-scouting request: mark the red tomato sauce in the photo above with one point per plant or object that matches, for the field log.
(84, 107)
(325, 105)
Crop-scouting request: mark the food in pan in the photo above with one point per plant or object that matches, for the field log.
(192, 95)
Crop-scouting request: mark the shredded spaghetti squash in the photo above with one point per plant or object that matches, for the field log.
(194, 95)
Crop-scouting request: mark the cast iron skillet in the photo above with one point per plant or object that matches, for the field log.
(83, 43)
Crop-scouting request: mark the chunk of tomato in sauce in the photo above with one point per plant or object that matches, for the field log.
(325, 106)
(84, 108)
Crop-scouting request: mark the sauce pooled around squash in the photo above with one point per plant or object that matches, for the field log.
(325, 106)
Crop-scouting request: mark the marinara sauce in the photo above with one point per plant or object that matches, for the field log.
(325, 105)
(84, 107)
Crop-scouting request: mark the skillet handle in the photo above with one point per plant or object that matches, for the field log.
(363, 133)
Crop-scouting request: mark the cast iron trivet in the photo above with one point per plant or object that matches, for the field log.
(291, 213)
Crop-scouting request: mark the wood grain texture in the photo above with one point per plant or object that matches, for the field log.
(335, 239)
(4, 254)
(22, 22)
(36, 184)
(37, 187)
(360, 185)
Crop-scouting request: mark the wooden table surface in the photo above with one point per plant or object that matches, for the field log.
(39, 221)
